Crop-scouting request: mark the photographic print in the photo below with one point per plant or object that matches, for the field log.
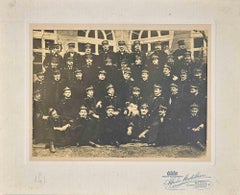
(126, 92)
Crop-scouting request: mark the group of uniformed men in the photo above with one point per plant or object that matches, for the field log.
(115, 98)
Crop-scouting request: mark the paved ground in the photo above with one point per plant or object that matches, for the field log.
(124, 151)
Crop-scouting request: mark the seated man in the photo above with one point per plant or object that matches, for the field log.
(59, 132)
(138, 126)
(85, 130)
(195, 128)
(111, 127)
(159, 129)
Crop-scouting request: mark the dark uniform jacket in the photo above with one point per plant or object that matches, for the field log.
(76, 58)
(122, 56)
(85, 130)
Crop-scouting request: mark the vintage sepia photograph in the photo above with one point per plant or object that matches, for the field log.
(140, 92)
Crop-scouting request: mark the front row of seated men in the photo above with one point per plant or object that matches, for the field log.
(154, 126)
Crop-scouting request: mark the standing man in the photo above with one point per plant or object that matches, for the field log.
(162, 56)
(106, 53)
(73, 54)
(179, 53)
(122, 54)
(137, 51)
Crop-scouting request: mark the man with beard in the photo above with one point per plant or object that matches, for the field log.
(122, 54)
(179, 53)
(73, 54)
(106, 53)
(137, 51)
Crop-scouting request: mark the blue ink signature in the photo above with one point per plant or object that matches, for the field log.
(181, 182)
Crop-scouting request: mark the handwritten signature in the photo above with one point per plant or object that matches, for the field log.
(181, 182)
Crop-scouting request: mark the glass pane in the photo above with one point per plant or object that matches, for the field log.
(81, 47)
(93, 48)
(37, 57)
(164, 32)
(110, 36)
(100, 34)
(37, 43)
(197, 54)
(165, 44)
(154, 33)
(111, 48)
(145, 48)
(198, 42)
(48, 42)
(49, 31)
(82, 33)
(135, 34)
(144, 34)
(91, 34)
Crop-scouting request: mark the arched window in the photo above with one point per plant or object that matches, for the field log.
(95, 38)
(149, 37)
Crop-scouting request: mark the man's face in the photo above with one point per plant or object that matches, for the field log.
(136, 93)
(162, 112)
(78, 76)
(174, 89)
(55, 114)
(137, 47)
(90, 93)
(145, 76)
(56, 77)
(166, 71)
(54, 65)
(71, 49)
(157, 47)
(170, 60)
(101, 77)
(144, 111)
(88, 50)
(89, 61)
(157, 91)
(41, 77)
(83, 114)
(183, 76)
(155, 61)
(121, 48)
(37, 97)
(67, 94)
(193, 90)
(181, 46)
(70, 62)
(194, 111)
(105, 47)
(109, 112)
(126, 76)
(187, 58)
(111, 91)
(198, 75)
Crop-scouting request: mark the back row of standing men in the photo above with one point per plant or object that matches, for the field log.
(126, 81)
